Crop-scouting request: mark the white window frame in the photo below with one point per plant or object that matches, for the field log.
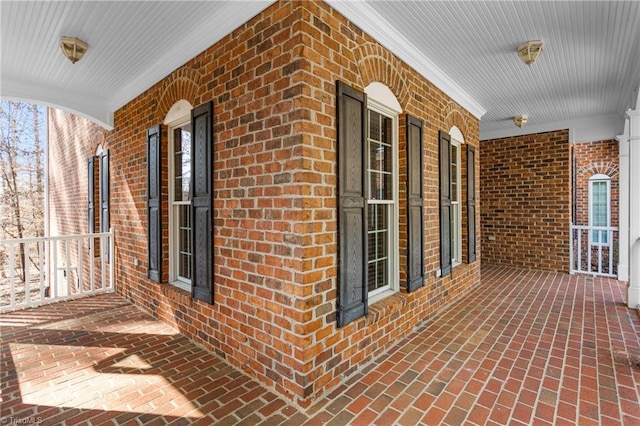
(174, 225)
(456, 206)
(393, 241)
(598, 179)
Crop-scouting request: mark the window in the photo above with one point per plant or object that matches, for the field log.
(451, 180)
(189, 150)
(599, 207)
(382, 274)
(456, 215)
(180, 229)
(98, 196)
(368, 269)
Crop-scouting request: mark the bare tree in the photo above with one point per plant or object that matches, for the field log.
(21, 174)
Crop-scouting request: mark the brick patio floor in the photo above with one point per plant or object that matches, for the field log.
(525, 347)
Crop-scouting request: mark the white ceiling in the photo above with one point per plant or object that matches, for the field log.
(585, 80)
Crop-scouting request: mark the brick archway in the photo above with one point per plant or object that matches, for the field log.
(97, 139)
(453, 117)
(377, 64)
(182, 84)
(608, 168)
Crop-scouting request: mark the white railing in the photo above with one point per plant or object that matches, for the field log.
(594, 250)
(35, 271)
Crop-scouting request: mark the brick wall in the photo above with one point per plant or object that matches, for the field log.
(526, 201)
(595, 158)
(272, 82)
(71, 141)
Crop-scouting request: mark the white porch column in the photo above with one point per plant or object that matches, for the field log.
(623, 204)
(634, 208)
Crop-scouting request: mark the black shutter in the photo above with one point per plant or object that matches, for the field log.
(91, 207)
(352, 218)
(104, 199)
(202, 202)
(471, 204)
(445, 202)
(415, 205)
(574, 186)
(154, 203)
(104, 191)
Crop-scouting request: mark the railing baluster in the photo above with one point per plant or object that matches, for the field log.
(67, 268)
(600, 252)
(112, 257)
(92, 260)
(590, 239)
(54, 270)
(41, 267)
(579, 250)
(80, 263)
(571, 240)
(27, 278)
(610, 233)
(12, 275)
(102, 262)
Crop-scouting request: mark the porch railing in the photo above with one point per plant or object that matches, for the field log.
(594, 250)
(36, 271)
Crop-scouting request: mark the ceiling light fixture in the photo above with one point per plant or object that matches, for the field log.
(520, 120)
(530, 51)
(73, 48)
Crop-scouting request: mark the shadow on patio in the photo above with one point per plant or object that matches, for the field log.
(524, 347)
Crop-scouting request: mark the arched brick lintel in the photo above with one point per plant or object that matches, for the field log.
(608, 168)
(453, 117)
(377, 64)
(182, 84)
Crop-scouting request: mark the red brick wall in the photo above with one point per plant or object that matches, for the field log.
(275, 259)
(596, 158)
(526, 201)
(592, 158)
(71, 141)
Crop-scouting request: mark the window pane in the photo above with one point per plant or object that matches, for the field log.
(182, 164)
(381, 199)
(387, 130)
(380, 186)
(599, 209)
(454, 172)
(378, 275)
(378, 255)
(599, 204)
(456, 221)
(455, 233)
(180, 227)
(184, 241)
(380, 157)
(374, 126)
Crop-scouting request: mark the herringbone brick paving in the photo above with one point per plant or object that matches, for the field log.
(525, 347)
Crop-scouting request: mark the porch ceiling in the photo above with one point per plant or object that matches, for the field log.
(585, 80)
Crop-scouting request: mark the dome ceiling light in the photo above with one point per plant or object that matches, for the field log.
(520, 120)
(530, 51)
(73, 48)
